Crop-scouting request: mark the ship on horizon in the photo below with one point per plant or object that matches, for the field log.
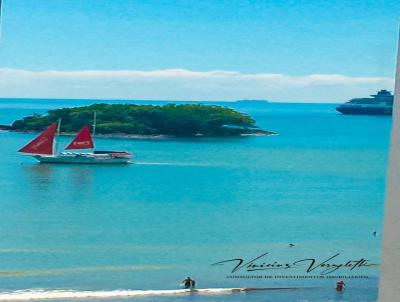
(380, 104)
(44, 148)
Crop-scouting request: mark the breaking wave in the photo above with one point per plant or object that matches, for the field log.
(40, 294)
(26, 295)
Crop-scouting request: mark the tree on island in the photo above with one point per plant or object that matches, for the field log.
(170, 119)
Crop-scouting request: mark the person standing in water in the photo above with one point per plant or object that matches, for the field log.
(189, 283)
(340, 286)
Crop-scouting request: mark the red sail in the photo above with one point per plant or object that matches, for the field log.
(83, 140)
(43, 144)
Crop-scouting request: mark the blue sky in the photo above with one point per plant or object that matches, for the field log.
(293, 40)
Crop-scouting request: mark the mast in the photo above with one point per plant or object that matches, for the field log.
(55, 137)
(94, 129)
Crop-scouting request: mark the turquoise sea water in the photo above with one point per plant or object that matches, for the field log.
(188, 203)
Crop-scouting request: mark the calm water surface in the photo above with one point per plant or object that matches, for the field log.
(187, 203)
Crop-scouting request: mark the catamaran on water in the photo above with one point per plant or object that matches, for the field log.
(44, 149)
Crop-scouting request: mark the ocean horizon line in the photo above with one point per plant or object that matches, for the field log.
(172, 100)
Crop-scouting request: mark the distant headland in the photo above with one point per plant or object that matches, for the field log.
(250, 101)
(147, 120)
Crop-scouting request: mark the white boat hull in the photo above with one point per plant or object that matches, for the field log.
(83, 158)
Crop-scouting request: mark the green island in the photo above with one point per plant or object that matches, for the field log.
(147, 120)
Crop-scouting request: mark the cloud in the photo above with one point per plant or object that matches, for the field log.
(182, 84)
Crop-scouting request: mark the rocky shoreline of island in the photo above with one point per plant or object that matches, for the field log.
(130, 121)
(136, 136)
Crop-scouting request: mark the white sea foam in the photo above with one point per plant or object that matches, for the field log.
(26, 295)
(173, 164)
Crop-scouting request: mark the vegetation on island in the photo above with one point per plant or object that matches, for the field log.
(129, 119)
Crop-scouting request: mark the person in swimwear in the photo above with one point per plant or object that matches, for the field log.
(189, 283)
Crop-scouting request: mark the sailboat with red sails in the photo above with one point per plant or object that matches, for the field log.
(44, 148)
